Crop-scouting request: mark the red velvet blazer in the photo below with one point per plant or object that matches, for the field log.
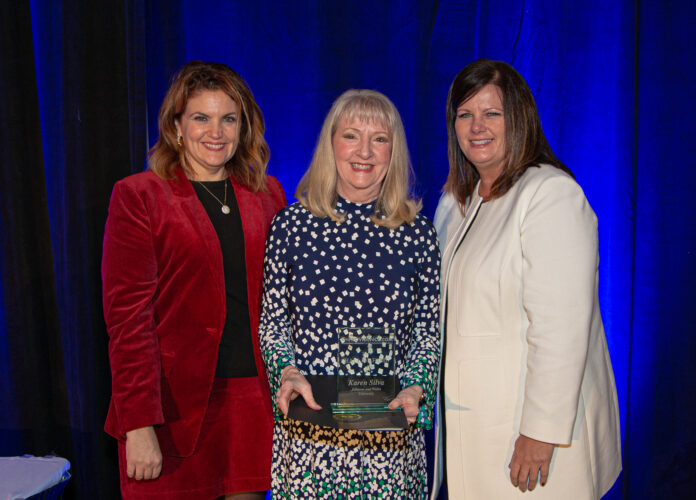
(164, 302)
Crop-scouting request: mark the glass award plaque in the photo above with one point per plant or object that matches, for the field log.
(365, 379)
(324, 389)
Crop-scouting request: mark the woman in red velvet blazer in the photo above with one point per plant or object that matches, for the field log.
(173, 238)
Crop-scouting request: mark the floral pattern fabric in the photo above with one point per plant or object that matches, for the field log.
(321, 275)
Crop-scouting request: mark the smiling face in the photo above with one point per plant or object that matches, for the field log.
(209, 127)
(480, 129)
(362, 151)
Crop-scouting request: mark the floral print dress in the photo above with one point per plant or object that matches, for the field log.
(321, 275)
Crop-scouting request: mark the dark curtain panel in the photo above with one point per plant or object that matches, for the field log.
(36, 413)
(80, 87)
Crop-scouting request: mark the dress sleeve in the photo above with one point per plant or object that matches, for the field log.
(424, 356)
(275, 334)
(559, 269)
(129, 282)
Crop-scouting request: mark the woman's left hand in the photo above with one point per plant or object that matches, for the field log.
(409, 401)
(530, 460)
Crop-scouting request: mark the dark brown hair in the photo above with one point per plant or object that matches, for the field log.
(525, 143)
(248, 165)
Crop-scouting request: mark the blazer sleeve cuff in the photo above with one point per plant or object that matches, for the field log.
(143, 419)
(547, 430)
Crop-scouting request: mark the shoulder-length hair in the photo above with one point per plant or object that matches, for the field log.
(525, 143)
(395, 204)
(248, 165)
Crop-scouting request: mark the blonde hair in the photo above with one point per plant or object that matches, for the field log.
(248, 165)
(395, 204)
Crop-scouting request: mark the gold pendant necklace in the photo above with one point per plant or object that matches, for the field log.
(224, 209)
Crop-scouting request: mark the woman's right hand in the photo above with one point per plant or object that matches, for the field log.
(293, 384)
(143, 455)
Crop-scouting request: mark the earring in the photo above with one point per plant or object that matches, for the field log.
(179, 140)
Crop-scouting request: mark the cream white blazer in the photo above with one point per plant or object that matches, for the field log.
(524, 346)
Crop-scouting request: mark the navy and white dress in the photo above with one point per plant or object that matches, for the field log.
(321, 275)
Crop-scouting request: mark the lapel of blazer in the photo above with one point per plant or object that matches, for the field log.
(453, 244)
(205, 232)
(254, 227)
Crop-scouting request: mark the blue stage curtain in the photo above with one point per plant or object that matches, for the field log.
(80, 87)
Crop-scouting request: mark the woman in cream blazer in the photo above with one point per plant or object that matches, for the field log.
(529, 394)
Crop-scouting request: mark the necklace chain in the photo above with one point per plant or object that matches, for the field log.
(225, 209)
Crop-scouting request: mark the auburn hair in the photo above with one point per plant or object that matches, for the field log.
(248, 165)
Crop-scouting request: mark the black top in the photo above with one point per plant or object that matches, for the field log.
(236, 354)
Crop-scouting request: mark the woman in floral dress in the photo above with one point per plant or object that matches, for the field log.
(352, 252)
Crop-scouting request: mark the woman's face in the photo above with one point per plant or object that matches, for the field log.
(480, 129)
(210, 129)
(362, 152)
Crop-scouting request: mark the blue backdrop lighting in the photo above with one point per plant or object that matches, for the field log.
(613, 85)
